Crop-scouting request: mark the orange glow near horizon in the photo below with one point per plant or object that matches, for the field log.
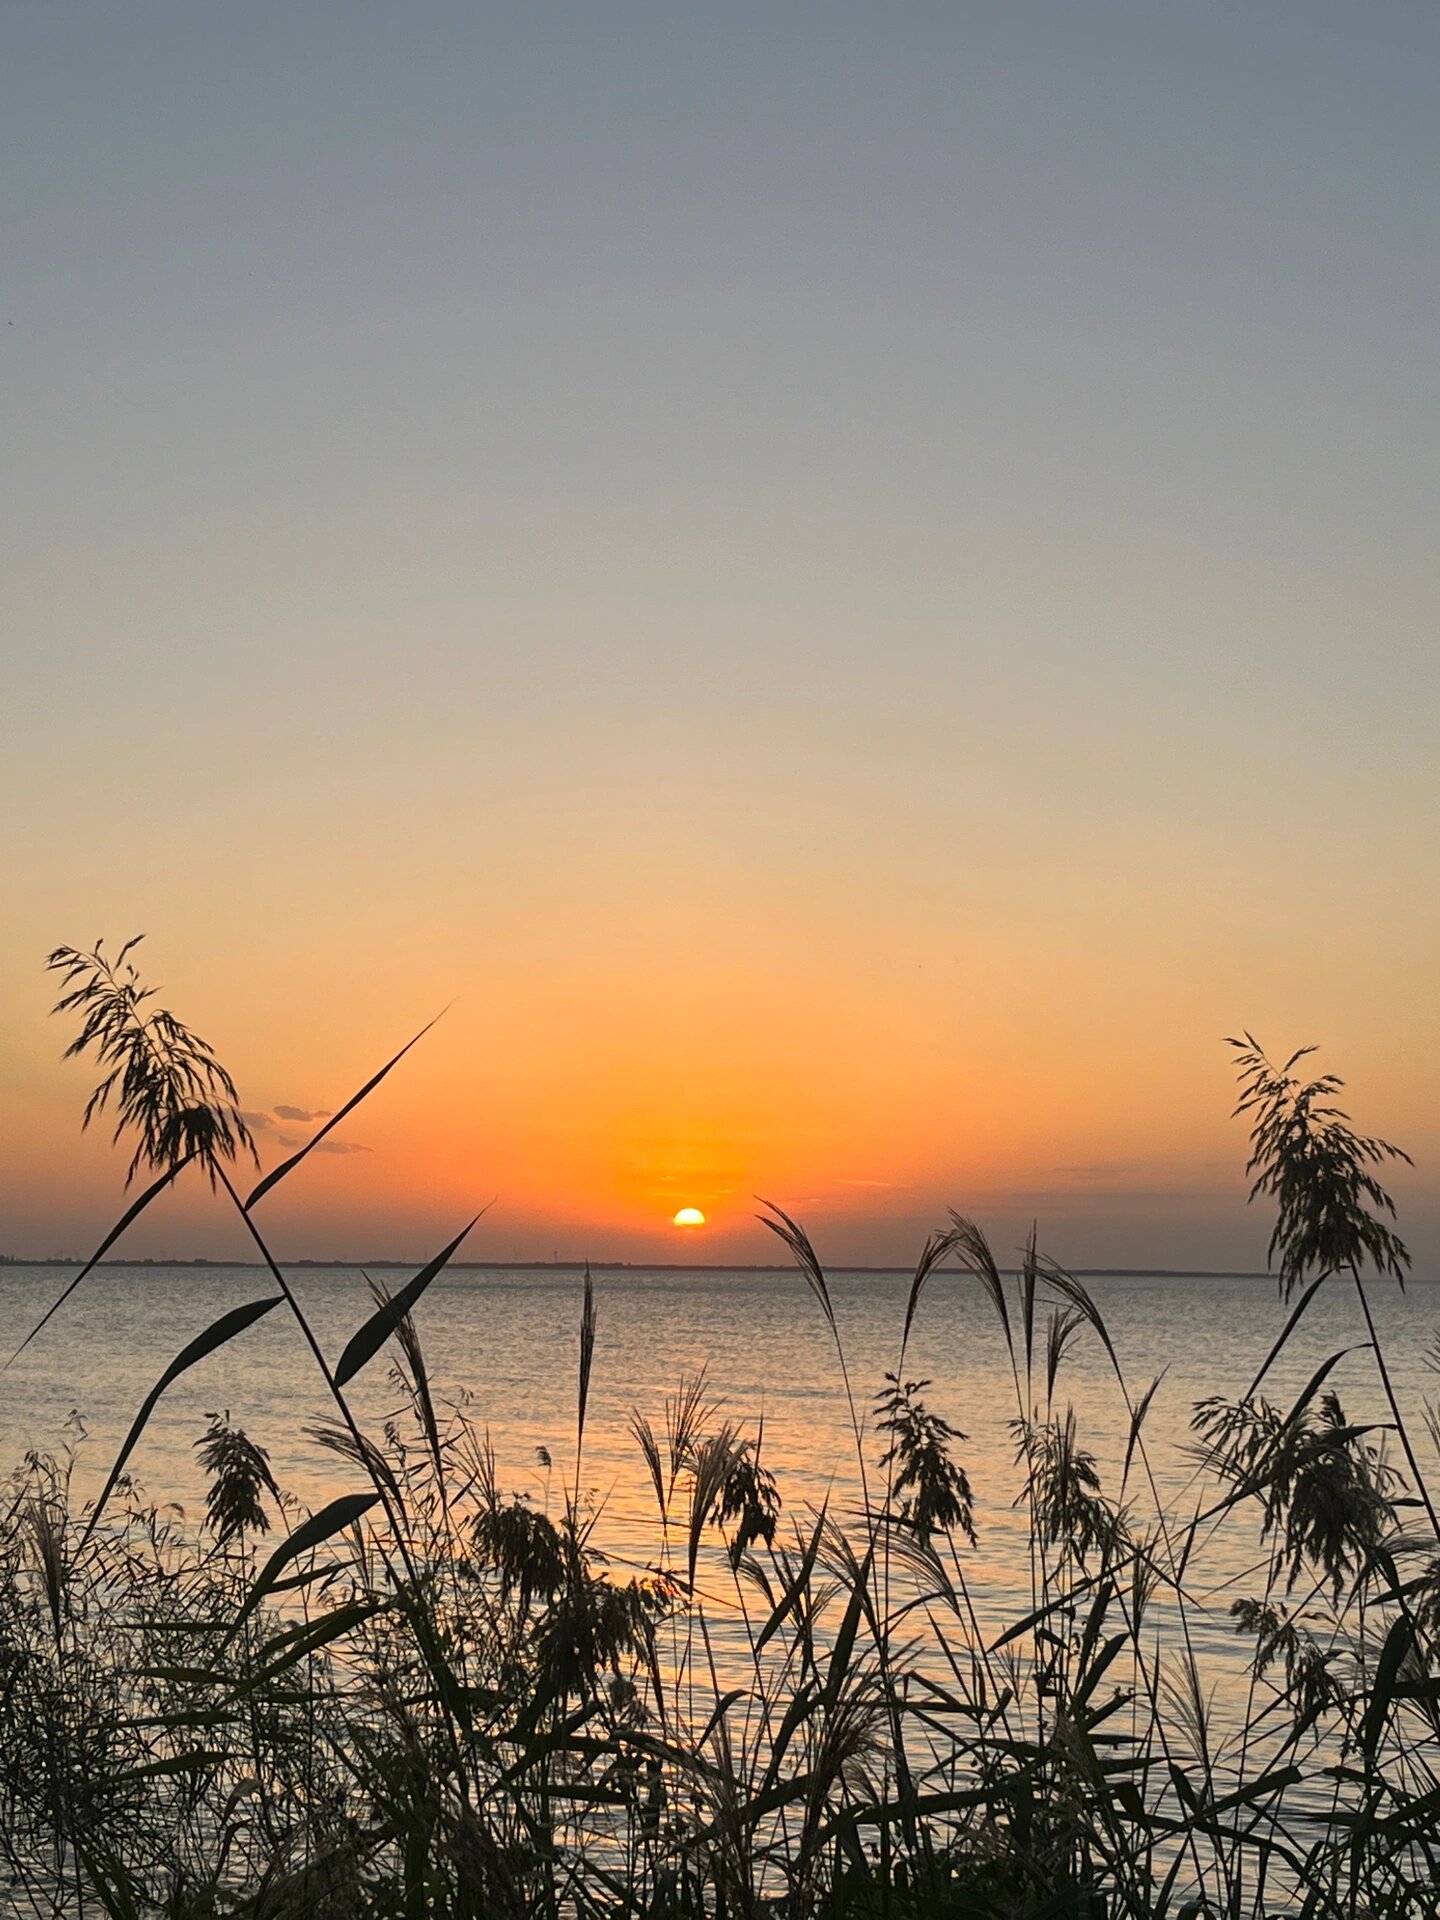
(677, 1071)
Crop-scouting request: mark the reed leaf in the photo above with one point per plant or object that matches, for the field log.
(288, 1649)
(1398, 1642)
(1290, 1325)
(797, 1585)
(130, 1214)
(587, 1361)
(314, 1532)
(843, 1650)
(287, 1167)
(215, 1336)
(407, 1336)
(368, 1338)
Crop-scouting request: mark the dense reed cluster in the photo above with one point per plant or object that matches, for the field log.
(430, 1697)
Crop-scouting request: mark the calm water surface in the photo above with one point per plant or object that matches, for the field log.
(508, 1340)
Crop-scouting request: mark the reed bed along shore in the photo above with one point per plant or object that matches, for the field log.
(431, 1697)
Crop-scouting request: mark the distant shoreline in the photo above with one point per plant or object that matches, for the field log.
(631, 1266)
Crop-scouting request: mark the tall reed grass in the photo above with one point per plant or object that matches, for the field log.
(429, 1697)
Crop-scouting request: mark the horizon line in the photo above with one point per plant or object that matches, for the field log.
(638, 1266)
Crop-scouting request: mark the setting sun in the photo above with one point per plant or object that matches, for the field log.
(689, 1217)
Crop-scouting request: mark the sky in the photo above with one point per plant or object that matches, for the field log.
(849, 588)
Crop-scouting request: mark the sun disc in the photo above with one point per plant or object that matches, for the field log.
(689, 1217)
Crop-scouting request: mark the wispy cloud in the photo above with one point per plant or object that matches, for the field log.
(268, 1125)
(1100, 1170)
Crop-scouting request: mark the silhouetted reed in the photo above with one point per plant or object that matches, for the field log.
(431, 1698)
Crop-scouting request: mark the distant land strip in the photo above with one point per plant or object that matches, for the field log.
(644, 1266)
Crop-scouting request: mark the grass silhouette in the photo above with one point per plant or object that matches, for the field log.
(430, 1698)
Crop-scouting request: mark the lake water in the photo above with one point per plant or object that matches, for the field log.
(508, 1340)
